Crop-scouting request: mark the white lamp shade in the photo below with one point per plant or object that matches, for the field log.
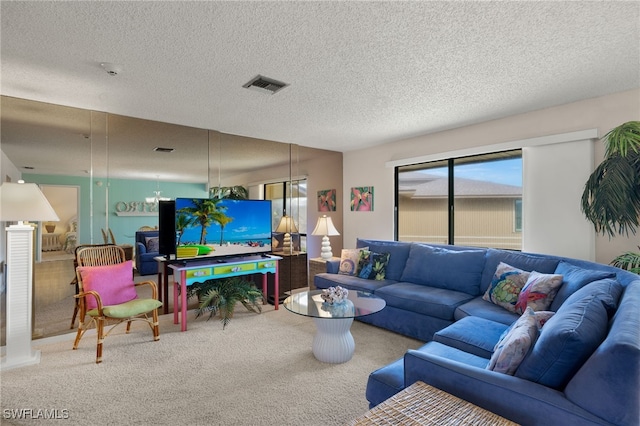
(325, 227)
(287, 225)
(24, 202)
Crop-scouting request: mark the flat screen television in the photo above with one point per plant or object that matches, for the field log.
(221, 228)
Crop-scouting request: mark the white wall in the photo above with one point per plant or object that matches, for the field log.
(367, 167)
(554, 177)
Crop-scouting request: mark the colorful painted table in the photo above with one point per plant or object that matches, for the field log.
(188, 273)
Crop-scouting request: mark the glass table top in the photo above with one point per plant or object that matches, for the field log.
(310, 304)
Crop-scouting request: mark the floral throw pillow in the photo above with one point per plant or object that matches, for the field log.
(505, 286)
(538, 292)
(372, 265)
(514, 344)
(349, 261)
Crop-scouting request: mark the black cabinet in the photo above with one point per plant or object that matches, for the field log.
(293, 275)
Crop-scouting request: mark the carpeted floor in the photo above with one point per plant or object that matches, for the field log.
(258, 371)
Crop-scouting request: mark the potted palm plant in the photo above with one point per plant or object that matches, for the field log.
(611, 197)
(221, 296)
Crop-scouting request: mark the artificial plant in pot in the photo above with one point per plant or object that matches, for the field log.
(237, 192)
(220, 296)
(611, 197)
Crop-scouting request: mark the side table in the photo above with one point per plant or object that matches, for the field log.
(317, 265)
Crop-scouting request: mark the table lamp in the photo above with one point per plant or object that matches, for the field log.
(325, 228)
(287, 225)
(21, 202)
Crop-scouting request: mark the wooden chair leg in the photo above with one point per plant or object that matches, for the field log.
(156, 328)
(80, 332)
(78, 336)
(100, 330)
(75, 314)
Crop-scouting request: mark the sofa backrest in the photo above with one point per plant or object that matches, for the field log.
(398, 250)
(438, 267)
(542, 263)
(608, 383)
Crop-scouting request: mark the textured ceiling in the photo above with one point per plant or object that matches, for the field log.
(359, 73)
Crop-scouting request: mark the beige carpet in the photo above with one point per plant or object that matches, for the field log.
(258, 371)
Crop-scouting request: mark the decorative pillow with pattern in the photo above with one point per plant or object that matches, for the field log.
(114, 283)
(538, 292)
(505, 286)
(373, 266)
(349, 261)
(153, 244)
(514, 344)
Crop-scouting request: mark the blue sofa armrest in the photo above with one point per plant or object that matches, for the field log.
(333, 266)
(140, 250)
(511, 397)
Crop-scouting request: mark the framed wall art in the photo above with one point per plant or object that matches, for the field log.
(362, 199)
(327, 200)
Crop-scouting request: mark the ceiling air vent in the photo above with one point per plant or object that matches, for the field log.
(265, 85)
(160, 149)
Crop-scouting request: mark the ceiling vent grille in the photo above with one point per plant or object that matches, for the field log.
(265, 85)
(161, 149)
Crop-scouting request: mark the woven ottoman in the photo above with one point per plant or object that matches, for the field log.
(421, 404)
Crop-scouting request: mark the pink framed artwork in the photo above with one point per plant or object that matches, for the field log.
(327, 200)
(362, 199)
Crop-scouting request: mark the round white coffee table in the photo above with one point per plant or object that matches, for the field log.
(333, 342)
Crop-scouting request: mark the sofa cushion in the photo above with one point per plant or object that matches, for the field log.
(438, 267)
(450, 353)
(573, 279)
(475, 335)
(326, 280)
(349, 261)
(478, 307)
(385, 382)
(570, 336)
(431, 301)
(505, 286)
(604, 385)
(398, 254)
(372, 265)
(538, 292)
(524, 261)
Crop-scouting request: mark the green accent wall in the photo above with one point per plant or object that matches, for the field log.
(123, 195)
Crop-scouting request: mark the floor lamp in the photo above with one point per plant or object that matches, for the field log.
(325, 228)
(21, 202)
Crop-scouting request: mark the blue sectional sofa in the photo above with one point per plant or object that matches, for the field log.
(583, 365)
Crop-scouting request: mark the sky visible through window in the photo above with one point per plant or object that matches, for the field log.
(506, 172)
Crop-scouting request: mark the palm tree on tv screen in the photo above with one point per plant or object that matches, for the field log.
(183, 221)
(222, 220)
(202, 214)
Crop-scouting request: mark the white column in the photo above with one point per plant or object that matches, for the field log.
(19, 298)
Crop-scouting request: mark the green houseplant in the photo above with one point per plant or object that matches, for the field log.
(611, 197)
(220, 296)
(237, 192)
